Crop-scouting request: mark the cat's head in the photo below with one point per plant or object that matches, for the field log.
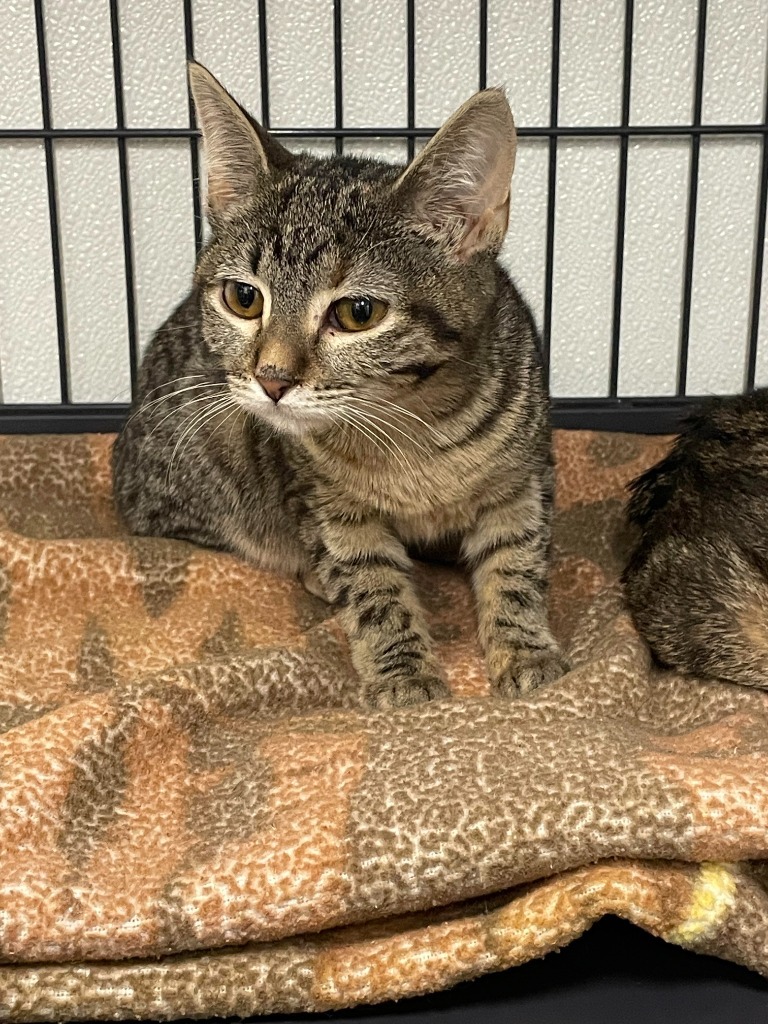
(339, 291)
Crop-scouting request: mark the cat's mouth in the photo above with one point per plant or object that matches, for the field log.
(294, 413)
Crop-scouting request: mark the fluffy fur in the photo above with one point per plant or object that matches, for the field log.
(697, 582)
(429, 431)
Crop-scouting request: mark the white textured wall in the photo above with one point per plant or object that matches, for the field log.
(301, 93)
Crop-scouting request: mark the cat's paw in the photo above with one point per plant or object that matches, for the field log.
(529, 670)
(402, 693)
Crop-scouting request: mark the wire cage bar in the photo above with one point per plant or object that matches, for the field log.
(610, 412)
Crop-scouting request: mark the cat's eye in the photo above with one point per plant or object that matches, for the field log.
(358, 313)
(243, 299)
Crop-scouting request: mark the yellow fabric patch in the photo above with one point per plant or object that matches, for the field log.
(711, 899)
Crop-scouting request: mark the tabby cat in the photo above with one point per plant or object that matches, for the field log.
(354, 380)
(697, 582)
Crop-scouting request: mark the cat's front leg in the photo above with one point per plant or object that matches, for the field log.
(366, 571)
(507, 551)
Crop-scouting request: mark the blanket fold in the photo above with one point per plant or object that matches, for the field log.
(197, 817)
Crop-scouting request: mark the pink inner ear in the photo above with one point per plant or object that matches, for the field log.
(491, 220)
(476, 228)
(457, 189)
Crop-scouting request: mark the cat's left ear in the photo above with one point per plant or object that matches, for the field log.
(457, 188)
(239, 153)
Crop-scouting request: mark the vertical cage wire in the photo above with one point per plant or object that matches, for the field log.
(554, 96)
(53, 202)
(410, 132)
(757, 275)
(411, 74)
(338, 77)
(125, 196)
(621, 209)
(693, 193)
(194, 153)
(482, 45)
(264, 63)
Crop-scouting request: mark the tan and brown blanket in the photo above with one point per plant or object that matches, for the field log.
(197, 819)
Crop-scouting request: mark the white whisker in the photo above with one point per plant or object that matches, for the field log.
(237, 409)
(191, 432)
(388, 423)
(153, 405)
(356, 426)
(176, 380)
(398, 409)
(177, 410)
(166, 383)
(395, 451)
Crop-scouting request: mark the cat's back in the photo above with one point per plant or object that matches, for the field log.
(714, 478)
(697, 579)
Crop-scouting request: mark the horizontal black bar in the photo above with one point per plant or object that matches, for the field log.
(539, 131)
(62, 419)
(633, 415)
(621, 415)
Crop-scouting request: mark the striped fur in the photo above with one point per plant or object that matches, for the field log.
(697, 580)
(428, 431)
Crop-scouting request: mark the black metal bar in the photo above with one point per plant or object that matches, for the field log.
(757, 277)
(194, 153)
(53, 203)
(264, 63)
(554, 88)
(125, 196)
(338, 76)
(635, 415)
(405, 132)
(642, 415)
(693, 190)
(483, 45)
(624, 415)
(62, 419)
(411, 74)
(621, 211)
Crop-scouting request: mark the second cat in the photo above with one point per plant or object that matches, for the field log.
(697, 582)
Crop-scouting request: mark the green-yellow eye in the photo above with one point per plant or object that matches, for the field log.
(243, 299)
(359, 313)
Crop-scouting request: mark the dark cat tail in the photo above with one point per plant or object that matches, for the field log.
(650, 492)
(702, 606)
(678, 471)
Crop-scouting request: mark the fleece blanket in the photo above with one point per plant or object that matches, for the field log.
(197, 817)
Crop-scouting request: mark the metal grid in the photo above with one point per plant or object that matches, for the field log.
(613, 412)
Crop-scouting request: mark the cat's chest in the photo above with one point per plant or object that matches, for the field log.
(431, 525)
(423, 502)
(421, 508)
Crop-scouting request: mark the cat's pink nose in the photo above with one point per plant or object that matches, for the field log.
(275, 388)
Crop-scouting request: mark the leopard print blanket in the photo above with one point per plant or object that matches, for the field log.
(197, 818)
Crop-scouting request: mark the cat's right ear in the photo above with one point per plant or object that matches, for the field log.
(239, 154)
(456, 191)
